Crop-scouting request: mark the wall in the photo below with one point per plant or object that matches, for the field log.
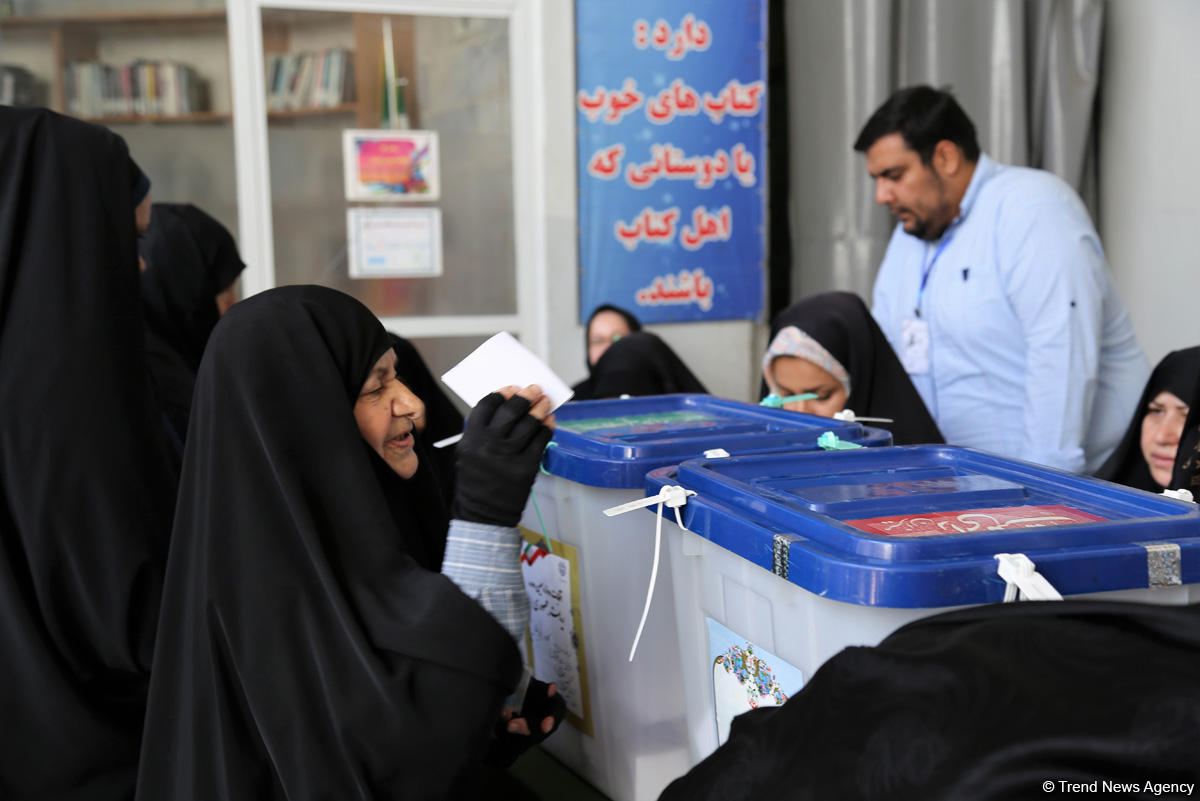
(724, 355)
(1149, 127)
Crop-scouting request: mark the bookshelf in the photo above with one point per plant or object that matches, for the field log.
(52, 47)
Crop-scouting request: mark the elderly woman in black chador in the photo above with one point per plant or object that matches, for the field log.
(309, 649)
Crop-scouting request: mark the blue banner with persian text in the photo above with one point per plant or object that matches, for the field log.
(671, 111)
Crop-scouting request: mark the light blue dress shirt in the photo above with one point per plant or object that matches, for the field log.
(1032, 354)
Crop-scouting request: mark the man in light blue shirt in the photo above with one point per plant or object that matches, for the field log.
(995, 294)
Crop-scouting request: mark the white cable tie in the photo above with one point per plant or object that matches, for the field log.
(1022, 579)
(848, 416)
(716, 453)
(671, 495)
(442, 443)
(674, 497)
(1181, 494)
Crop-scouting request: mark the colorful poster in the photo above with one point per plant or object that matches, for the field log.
(389, 165)
(968, 521)
(745, 677)
(671, 110)
(555, 636)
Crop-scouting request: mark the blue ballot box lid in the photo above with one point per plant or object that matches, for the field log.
(919, 526)
(614, 443)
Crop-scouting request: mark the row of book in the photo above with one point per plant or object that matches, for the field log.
(309, 79)
(148, 88)
(17, 87)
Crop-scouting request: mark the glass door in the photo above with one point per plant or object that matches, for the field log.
(408, 202)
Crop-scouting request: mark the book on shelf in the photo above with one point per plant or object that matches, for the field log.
(309, 79)
(141, 88)
(17, 87)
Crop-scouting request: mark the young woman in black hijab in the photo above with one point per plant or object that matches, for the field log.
(831, 346)
(86, 485)
(996, 702)
(305, 652)
(638, 364)
(1159, 449)
(606, 324)
(191, 264)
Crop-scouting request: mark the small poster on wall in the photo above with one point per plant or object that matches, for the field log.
(388, 165)
(394, 242)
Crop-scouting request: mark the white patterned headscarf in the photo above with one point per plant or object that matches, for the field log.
(791, 341)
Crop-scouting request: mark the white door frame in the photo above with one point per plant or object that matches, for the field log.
(529, 168)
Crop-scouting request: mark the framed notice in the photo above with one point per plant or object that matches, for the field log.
(386, 165)
(394, 242)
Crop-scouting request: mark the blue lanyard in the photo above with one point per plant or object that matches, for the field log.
(946, 237)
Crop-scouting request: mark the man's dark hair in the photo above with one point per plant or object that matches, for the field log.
(924, 116)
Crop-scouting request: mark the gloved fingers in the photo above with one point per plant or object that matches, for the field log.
(508, 415)
(486, 408)
(543, 702)
(540, 407)
(542, 437)
(524, 431)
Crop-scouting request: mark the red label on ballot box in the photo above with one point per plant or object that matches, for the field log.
(970, 521)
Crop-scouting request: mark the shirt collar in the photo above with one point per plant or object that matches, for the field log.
(983, 171)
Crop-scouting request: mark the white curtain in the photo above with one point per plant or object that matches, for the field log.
(1025, 71)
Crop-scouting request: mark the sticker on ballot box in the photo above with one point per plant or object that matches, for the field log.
(745, 677)
(969, 521)
(554, 640)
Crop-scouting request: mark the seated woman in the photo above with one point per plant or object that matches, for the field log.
(1149, 456)
(830, 346)
(606, 325)
(638, 364)
(306, 650)
(191, 264)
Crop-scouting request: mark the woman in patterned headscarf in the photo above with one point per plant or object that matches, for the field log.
(830, 346)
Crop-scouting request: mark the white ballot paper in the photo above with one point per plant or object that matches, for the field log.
(499, 362)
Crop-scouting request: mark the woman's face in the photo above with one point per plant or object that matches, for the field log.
(226, 298)
(795, 376)
(387, 414)
(605, 328)
(1161, 429)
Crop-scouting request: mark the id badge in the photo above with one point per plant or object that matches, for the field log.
(914, 354)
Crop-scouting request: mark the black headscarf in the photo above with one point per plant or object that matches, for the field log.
(638, 364)
(630, 320)
(442, 417)
(1179, 374)
(190, 259)
(879, 386)
(303, 651)
(984, 703)
(86, 490)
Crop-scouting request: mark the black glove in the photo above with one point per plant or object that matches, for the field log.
(538, 704)
(498, 460)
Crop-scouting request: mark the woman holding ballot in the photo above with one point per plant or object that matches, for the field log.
(305, 649)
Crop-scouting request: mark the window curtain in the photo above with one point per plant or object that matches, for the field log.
(1025, 71)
